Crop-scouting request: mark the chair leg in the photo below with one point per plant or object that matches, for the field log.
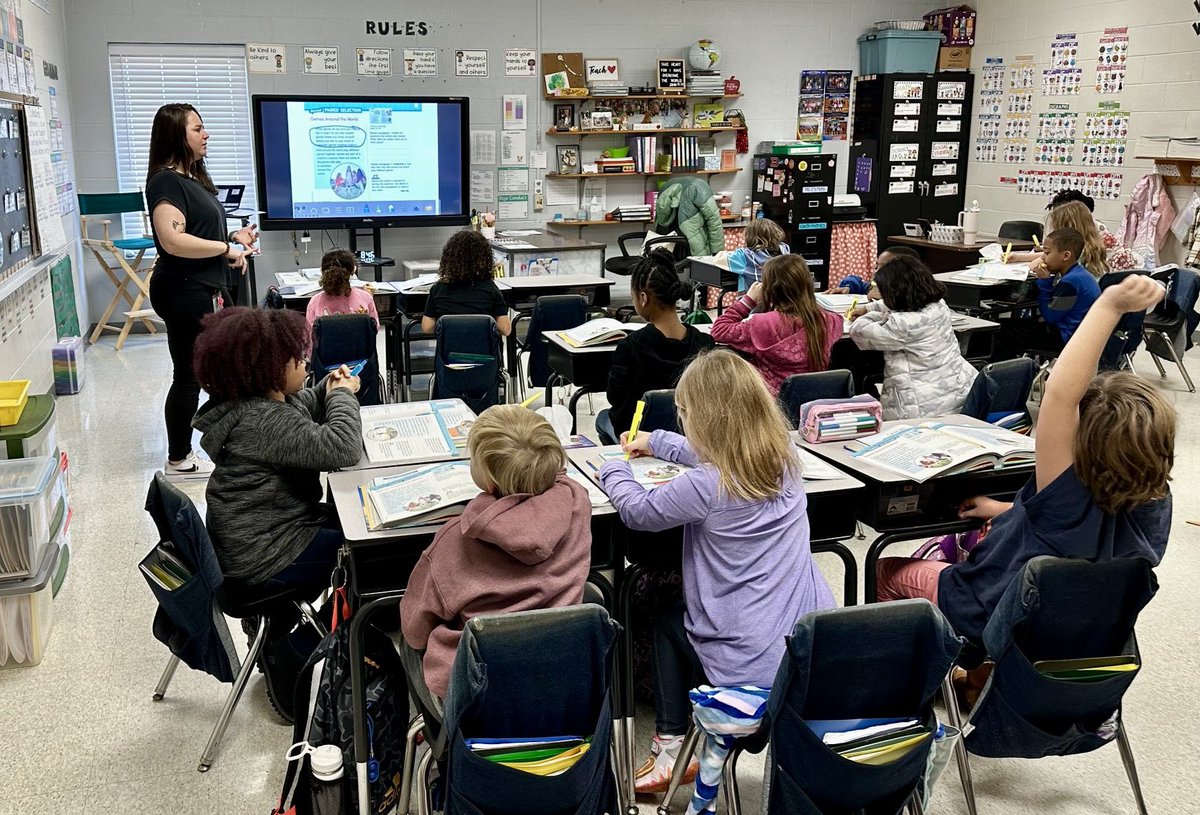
(1179, 364)
(1130, 768)
(235, 695)
(160, 690)
(733, 796)
(424, 798)
(410, 762)
(1129, 363)
(618, 764)
(914, 803)
(1158, 364)
(960, 749)
(680, 768)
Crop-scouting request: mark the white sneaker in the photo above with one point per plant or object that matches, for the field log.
(191, 468)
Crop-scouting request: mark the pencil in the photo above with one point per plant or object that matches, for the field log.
(637, 420)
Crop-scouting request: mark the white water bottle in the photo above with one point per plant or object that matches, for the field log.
(327, 784)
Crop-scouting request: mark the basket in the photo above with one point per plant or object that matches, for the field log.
(900, 25)
(14, 394)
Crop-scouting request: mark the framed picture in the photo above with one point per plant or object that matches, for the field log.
(601, 70)
(601, 120)
(564, 115)
(728, 159)
(567, 156)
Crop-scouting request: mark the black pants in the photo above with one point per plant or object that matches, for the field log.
(677, 670)
(1021, 335)
(181, 304)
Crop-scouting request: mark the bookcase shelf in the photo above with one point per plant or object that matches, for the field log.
(642, 175)
(576, 223)
(645, 96)
(675, 130)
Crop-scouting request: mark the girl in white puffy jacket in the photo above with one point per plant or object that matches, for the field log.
(925, 374)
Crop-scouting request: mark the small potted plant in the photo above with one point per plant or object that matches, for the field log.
(487, 225)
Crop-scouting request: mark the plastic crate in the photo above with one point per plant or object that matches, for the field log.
(27, 612)
(898, 52)
(14, 393)
(30, 492)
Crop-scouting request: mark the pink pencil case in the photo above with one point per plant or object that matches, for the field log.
(823, 420)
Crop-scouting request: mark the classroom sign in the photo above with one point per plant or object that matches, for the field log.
(420, 62)
(470, 63)
(265, 58)
(320, 59)
(374, 61)
(520, 62)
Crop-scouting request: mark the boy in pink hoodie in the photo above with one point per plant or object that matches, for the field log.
(524, 543)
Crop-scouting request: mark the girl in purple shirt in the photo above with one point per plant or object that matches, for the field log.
(748, 573)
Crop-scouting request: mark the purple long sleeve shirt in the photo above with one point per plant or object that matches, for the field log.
(748, 572)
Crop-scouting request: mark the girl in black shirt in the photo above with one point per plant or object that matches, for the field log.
(465, 284)
(191, 276)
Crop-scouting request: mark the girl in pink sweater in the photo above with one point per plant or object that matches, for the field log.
(337, 296)
(792, 335)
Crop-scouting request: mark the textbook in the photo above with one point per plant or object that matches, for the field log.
(1091, 669)
(409, 432)
(647, 470)
(840, 303)
(1016, 272)
(419, 497)
(595, 332)
(923, 451)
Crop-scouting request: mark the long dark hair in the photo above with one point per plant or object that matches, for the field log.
(787, 287)
(169, 148)
(906, 284)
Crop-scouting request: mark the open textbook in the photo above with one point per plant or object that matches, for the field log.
(647, 470)
(419, 497)
(415, 431)
(1016, 272)
(595, 332)
(923, 451)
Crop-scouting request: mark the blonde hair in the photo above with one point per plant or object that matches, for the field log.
(1125, 445)
(1077, 216)
(763, 233)
(788, 288)
(732, 422)
(516, 449)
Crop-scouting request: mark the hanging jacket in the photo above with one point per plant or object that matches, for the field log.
(1148, 217)
(687, 204)
(925, 374)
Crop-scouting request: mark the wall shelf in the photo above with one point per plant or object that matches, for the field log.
(642, 175)
(576, 223)
(646, 96)
(676, 130)
(1187, 170)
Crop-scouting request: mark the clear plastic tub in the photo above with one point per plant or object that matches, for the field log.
(30, 491)
(27, 614)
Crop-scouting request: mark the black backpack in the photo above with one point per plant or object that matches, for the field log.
(324, 715)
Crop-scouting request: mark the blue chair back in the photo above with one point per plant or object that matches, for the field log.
(341, 338)
(800, 388)
(554, 312)
(467, 339)
(660, 412)
(1000, 388)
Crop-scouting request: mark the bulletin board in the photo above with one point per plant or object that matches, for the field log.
(17, 246)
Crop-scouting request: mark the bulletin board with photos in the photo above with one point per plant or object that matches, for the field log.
(18, 238)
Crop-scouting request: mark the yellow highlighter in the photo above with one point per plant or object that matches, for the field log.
(1037, 244)
(853, 305)
(529, 402)
(637, 420)
(1007, 251)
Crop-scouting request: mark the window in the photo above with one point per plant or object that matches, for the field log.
(210, 77)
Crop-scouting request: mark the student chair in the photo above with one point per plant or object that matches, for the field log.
(876, 661)
(1000, 390)
(468, 361)
(800, 388)
(341, 338)
(552, 312)
(1059, 609)
(190, 620)
(1019, 230)
(131, 279)
(623, 265)
(1127, 336)
(1166, 329)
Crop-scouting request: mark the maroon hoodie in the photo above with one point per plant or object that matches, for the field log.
(516, 553)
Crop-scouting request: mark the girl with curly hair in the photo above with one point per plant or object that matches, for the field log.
(465, 284)
(337, 296)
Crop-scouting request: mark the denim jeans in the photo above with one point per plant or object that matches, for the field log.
(677, 670)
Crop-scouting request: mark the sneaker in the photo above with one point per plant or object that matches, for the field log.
(654, 776)
(192, 467)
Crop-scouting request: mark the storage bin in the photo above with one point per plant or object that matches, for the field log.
(895, 52)
(34, 435)
(68, 365)
(14, 393)
(27, 613)
(30, 493)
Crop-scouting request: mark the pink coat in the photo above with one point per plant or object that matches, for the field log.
(1148, 217)
(775, 346)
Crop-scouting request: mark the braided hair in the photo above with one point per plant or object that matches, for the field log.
(655, 275)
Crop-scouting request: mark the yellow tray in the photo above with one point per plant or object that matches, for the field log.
(13, 396)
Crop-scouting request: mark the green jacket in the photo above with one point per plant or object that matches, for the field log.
(699, 218)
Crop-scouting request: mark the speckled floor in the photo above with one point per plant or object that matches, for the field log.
(80, 733)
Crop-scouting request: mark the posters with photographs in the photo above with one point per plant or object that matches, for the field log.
(1055, 126)
(1112, 60)
(1064, 52)
(823, 111)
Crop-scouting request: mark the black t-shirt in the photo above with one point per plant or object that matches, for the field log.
(477, 297)
(648, 360)
(205, 218)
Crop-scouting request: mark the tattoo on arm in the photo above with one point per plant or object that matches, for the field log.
(178, 226)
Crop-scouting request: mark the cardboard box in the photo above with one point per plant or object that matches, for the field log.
(956, 23)
(954, 58)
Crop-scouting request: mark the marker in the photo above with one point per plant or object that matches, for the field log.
(853, 305)
(1036, 242)
(1007, 251)
(537, 395)
(637, 420)
(355, 368)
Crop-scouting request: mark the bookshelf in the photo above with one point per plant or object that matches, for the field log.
(712, 131)
(644, 96)
(642, 175)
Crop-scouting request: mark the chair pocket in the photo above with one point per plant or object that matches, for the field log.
(1002, 731)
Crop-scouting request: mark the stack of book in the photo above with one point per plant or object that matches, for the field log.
(552, 755)
(705, 83)
(871, 741)
(632, 212)
(615, 165)
(848, 425)
(643, 150)
(601, 87)
(685, 153)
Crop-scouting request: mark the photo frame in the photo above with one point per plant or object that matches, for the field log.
(601, 120)
(564, 115)
(567, 159)
(601, 70)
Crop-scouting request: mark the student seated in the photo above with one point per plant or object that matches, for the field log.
(652, 357)
(792, 335)
(465, 284)
(853, 284)
(337, 296)
(924, 373)
(1062, 302)
(523, 543)
(764, 240)
(748, 572)
(270, 439)
(1105, 448)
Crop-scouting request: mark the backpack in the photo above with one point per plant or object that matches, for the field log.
(325, 716)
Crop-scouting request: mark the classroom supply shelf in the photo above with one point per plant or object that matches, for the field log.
(675, 130)
(643, 175)
(1186, 171)
(727, 220)
(645, 96)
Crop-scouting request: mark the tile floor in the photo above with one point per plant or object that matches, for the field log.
(81, 734)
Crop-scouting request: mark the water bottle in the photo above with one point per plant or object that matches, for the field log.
(327, 785)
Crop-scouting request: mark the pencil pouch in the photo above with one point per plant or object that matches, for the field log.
(824, 420)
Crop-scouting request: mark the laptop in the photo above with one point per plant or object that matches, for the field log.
(230, 195)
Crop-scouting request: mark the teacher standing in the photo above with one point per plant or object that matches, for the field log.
(195, 260)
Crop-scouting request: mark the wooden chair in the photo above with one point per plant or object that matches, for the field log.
(132, 280)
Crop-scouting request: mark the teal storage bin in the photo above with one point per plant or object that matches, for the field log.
(898, 52)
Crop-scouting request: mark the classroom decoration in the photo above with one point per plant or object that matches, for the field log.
(1112, 60)
(520, 62)
(420, 61)
(471, 63)
(562, 70)
(671, 76)
(823, 113)
(266, 58)
(320, 59)
(703, 55)
(1046, 183)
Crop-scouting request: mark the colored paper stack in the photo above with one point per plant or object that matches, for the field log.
(68, 365)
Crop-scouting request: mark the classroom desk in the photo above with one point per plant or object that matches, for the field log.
(971, 295)
(946, 257)
(901, 510)
(705, 273)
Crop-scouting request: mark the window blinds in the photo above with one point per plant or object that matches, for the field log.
(212, 78)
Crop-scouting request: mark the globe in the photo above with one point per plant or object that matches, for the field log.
(704, 56)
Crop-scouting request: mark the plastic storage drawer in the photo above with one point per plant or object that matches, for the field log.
(34, 435)
(27, 614)
(898, 52)
(30, 491)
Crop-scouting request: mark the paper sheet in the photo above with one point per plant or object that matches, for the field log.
(483, 146)
(512, 179)
(816, 468)
(512, 147)
(45, 196)
(512, 207)
(562, 192)
(483, 186)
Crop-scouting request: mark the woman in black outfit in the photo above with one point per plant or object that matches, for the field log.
(195, 259)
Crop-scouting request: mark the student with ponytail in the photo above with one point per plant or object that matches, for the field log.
(651, 357)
